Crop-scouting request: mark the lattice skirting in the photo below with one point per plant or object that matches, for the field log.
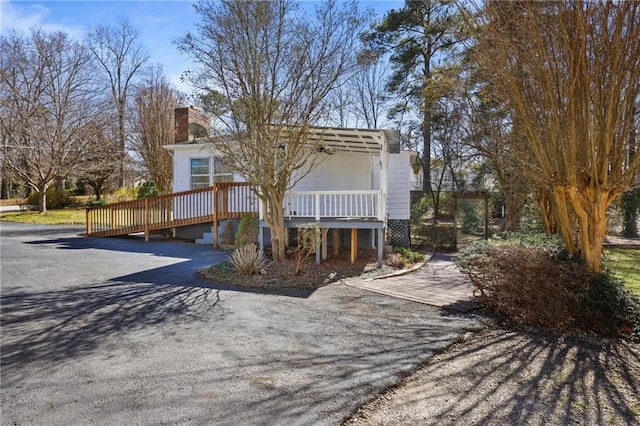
(398, 232)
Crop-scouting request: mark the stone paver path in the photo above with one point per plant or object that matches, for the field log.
(438, 283)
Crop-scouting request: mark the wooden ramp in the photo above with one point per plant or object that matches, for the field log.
(205, 205)
(439, 283)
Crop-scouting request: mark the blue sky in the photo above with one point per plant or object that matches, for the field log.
(160, 22)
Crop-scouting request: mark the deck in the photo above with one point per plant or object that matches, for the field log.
(331, 210)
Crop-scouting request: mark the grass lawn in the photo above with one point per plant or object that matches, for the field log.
(53, 217)
(625, 262)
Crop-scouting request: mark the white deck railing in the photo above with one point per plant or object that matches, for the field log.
(342, 204)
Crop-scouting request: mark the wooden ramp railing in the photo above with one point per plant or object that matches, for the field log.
(220, 201)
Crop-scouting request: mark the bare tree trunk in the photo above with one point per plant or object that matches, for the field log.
(591, 206)
(42, 198)
(121, 140)
(275, 221)
(426, 154)
(4, 187)
(97, 190)
(561, 213)
(435, 196)
(426, 131)
(513, 205)
(545, 201)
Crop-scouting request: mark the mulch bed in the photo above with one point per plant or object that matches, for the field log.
(279, 275)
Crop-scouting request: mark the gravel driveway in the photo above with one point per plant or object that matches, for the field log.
(118, 331)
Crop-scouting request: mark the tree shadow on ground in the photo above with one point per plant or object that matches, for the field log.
(69, 322)
(58, 325)
(315, 377)
(527, 376)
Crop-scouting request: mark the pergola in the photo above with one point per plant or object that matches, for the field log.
(367, 141)
(359, 141)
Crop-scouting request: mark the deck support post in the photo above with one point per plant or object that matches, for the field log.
(147, 219)
(380, 246)
(318, 238)
(261, 238)
(215, 216)
(88, 221)
(323, 245)
(354, 244)
(336, 241)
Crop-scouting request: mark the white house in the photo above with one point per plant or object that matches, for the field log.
(360, 191)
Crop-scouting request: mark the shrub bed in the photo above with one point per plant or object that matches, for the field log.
(532, 280)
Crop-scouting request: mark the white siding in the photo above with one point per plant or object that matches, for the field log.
(398, 185)
(182, 166)
(180, 171)
(340, 172)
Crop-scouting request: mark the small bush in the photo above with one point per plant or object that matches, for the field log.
(610, 308)
(470, 218)
(122, 194)
(408, 256)
(307, 239)
(247, 259)
(531, 279)
(98, 202)
(527, 286)
(147, 189)
(56, 199)
(247, 231)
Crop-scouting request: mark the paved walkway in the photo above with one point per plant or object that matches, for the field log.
(438, 283)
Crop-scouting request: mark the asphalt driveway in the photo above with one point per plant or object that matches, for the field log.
(119, 331)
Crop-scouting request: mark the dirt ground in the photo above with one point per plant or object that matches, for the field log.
(517, 376)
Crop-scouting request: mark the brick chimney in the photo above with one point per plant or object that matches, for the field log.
(191, 124)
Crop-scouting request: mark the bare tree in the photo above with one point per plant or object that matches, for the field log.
(99, 166)
(491, 132)
(47, 104)
(570, 71)
(343, 114)
(154, 127)
(368, 88)
(266, 72)
(121, 57)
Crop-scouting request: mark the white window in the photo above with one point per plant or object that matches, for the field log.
(222, 171)
(199, 173)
